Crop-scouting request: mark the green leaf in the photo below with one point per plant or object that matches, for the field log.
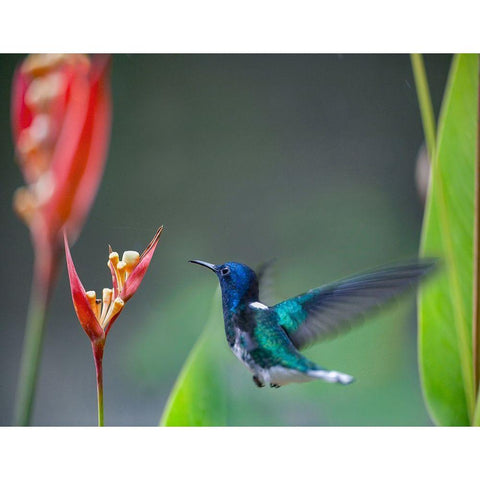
(445, 304)
(199, 397)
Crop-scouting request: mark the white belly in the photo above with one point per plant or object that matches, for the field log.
(283, 376)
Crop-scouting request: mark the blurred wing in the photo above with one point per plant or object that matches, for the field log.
(326, 311)
(265, 279)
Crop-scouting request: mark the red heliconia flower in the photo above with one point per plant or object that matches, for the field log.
(61, 117)
(98, 315)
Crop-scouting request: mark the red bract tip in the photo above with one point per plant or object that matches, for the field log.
(135, 278)
(81, 149)
(85, 314)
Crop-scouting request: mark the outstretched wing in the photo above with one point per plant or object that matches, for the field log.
(328, 310)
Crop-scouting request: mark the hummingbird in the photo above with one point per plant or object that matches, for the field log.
(268, 339)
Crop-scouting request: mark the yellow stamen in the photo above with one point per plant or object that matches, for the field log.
(113, 257)
(92, 298)
(116, 307)
(32, 153)
(121, 274)
(107, 299)
(44, 188)
(26, 144)
(42, 91)
(40, 129)
(131, 259)
(113, 260)
(40, 64)
(24, 204)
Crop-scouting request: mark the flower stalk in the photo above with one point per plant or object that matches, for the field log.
(97, 349)
(31, 353)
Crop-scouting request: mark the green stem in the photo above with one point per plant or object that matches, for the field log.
(45, 271)
(425, 102)
(98, 358)
(31, 353)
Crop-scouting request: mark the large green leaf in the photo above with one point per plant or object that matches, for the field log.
(445, 304)
(199, 397)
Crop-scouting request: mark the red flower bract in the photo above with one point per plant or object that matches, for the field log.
(61, 116)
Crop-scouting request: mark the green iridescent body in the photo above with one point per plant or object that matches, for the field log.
(265, 343)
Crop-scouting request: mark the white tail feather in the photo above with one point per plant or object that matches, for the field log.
(331, 376)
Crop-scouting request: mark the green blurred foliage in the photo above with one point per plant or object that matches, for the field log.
(445, 306)
(199, 395)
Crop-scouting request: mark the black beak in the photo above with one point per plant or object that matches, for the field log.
(211, 266)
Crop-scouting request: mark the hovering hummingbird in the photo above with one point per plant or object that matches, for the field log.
(268, 339)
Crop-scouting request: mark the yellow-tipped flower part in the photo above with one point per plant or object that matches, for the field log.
(131, 259)
(108, 307)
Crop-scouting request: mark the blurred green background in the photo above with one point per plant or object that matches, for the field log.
(308, 159)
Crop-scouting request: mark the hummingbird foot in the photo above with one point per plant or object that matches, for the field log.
(257, 382)
(274, 385)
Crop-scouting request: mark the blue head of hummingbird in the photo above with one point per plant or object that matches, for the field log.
(268, 339)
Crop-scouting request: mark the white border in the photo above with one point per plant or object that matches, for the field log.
(239, 453)
(221, 26)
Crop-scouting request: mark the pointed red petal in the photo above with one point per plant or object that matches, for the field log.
(80, 152)
(111, 322)
(68, 161)
(85, 315)
(101, 111)
(135, 278)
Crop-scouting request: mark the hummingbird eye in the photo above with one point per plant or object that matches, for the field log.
(225, 271)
